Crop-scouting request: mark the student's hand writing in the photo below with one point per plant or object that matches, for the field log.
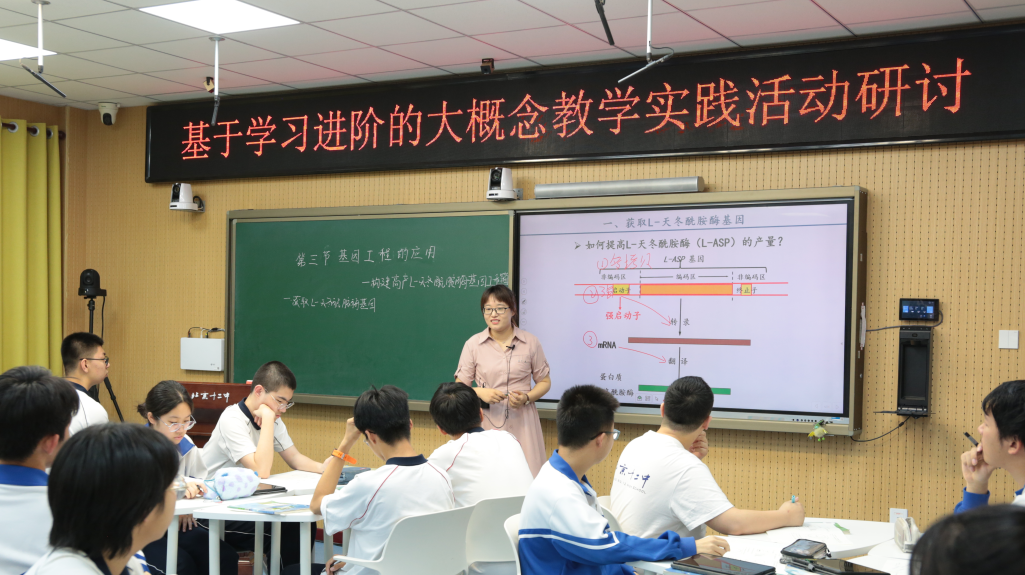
(489, 395)
(976, 470)
(188, 523)
(334, 565)
(518, 399)
(713, 546)
(700, 446)
(264, 412)
(794, 512)
(193, 490)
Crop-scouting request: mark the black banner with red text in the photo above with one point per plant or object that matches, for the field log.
(941, 87)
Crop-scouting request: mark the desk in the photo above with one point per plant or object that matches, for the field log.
(181, 507)
(886, 557)
(296, 482)
(221, 512)
(764, 548)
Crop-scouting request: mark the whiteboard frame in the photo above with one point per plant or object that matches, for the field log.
(546, 409)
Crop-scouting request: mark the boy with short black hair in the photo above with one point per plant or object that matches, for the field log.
(661, 484)
(373, 502)
(35, 411)
(1001, 446)
(247, 435)
(481, 464)
(562, 529)
(85, 365)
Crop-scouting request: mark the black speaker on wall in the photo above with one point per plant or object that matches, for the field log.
(913, 369)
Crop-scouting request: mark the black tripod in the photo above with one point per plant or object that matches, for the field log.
(89, 287)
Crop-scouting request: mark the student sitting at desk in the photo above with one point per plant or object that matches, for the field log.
(35, 412)
(247, 435)
(373, 502)
(562, 529)
(112, 492)
(660, 484)
(1001, 446)
(481, 464)
(168, 409)
(85, 366)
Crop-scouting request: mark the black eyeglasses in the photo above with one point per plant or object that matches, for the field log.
(614, 433)
(105, 359)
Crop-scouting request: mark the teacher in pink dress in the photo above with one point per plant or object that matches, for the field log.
(502, 360)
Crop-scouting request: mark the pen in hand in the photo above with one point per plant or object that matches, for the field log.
(972, 439)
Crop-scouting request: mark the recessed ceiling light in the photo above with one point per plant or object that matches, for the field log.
(14, 51)
(220, 16)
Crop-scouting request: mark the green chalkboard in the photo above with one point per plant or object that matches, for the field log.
(350, 302)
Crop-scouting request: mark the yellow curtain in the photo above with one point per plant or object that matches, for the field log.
(30, 246)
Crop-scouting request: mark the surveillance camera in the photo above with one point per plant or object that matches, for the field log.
(183, 200)
(209, 84)
(487, 65)
(108, 112)
(500, 186)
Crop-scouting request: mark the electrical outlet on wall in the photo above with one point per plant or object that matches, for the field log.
(1008, 339)
(896, 514)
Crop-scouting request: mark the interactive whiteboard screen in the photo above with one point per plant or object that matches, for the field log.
(754, 298)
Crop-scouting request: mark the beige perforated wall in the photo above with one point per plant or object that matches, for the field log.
(944, 221)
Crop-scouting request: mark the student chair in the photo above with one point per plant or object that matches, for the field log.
(432, 544)
(606, 509)
(486, 539)
(512, 531)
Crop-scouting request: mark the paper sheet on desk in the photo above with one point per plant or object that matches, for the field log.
(761, 552)
(823, 532)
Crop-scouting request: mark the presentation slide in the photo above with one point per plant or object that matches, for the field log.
(752, 298)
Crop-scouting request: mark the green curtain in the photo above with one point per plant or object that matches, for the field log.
(30, 246)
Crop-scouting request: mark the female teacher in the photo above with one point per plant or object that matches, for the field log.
(502, 359)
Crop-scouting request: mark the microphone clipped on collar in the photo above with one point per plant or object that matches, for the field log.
(513, 346)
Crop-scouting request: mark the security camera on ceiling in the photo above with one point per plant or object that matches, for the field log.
(108, 112)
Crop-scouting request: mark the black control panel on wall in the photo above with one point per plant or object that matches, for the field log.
(916, 308)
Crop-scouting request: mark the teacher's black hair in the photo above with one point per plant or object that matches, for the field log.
(455, 408)
(584, 411)
(105, 481)
(982, 541)
(384, 412)
(34, 405)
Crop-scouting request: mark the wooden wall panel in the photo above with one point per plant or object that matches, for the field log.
(944, 221)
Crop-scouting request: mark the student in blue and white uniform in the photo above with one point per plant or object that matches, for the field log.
(374, 501)
(168, 409)
(1001, 446)
(35, 412)
(85, 366)
(112, 492)
(562, 529)
(661, 484)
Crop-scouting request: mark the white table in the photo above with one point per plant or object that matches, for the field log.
(886, 557)
(181, 507)
(764, 548)
(220, 513)
(296, 482)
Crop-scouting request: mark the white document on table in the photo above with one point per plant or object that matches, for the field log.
(761, 552)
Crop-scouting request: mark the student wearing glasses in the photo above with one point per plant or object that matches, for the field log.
(502, 360)
(168, 409)
(247, 435)
(85, 366)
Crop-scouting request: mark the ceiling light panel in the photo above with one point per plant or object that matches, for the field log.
(14, 51)
(220, 16)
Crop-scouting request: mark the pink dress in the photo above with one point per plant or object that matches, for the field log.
(508, 371)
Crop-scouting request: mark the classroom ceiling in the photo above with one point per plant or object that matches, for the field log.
(109, 50)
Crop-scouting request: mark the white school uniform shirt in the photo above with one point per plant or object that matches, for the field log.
(374, 501)
(190, 460)
(70, 562)
(484, 465)
(25, 520)
(90, 412)
(235, 436)
(660, 486)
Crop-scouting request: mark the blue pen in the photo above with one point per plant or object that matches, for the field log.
(793, 499)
